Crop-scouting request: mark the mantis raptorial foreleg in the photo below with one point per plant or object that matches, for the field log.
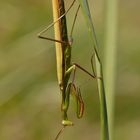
(72, 89)
(80, 107)
(75, 91)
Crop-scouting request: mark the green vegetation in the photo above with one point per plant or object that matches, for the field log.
(29, 95)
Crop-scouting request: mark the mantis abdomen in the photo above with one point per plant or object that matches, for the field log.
(60, 34)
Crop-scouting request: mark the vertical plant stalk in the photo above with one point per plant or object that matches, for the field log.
(100, 81)
(102, 97)
(110, 59)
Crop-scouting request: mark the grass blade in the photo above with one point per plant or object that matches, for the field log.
(103, 107)
(110, 59)
(86, 13)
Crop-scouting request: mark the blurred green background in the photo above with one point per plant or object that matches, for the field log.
(29, 93)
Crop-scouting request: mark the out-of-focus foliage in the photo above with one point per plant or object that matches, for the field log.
(29, 94)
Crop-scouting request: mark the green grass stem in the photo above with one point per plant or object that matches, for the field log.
(110, 59)
(103, 106)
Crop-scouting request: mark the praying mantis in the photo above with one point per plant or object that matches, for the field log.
(65, 67)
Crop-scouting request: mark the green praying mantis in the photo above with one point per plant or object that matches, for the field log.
(65, 67)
